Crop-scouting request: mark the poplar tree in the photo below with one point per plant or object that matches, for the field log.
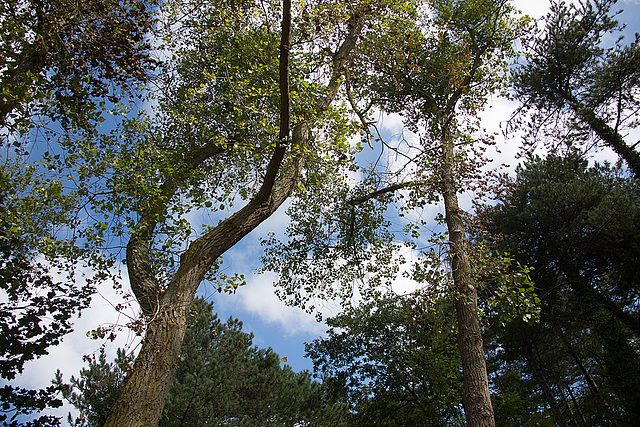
(438, 70)
(242, 112)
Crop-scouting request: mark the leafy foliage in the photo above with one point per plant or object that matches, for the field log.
(333, 246)
(221, 379)
(577, 84)
(36, 308)
(395, 361)
(63, 59)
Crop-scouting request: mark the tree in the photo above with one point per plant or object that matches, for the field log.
(230, 121)
(97, 388)
(572, 77)
(221, 379)
(443, 78)
(60, 62)
(394, 360)
(577, 226)
(438, 73)
(62, 58)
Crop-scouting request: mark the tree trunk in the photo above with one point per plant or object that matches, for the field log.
(609, 136)
(477, 401)
(154, 368)
(146, 391)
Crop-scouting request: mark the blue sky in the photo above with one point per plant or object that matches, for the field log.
(275, 325)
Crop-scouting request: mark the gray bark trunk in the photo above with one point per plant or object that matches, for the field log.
(477, 401)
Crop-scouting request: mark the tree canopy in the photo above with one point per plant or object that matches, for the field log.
(577, 227)
(444, 62)
(576, 81)
(61, 60)
(394, 360)
(256, 102)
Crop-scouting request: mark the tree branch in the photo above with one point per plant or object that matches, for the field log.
(278, 184)
(144, 283)
(389, 189)
(607, 134)
(355, 25)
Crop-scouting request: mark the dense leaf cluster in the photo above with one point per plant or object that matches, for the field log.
(63, 59)
(395, 362)
(37, 308)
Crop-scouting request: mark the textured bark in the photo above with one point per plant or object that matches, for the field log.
(144, 283)
(607, 134)
(146, 391)
(477, 401)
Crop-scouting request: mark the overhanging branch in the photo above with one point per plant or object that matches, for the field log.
(385, 190)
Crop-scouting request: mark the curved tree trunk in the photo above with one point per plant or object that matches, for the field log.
(477, 401)
(146, 391)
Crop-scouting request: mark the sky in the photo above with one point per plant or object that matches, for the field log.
(273, 324)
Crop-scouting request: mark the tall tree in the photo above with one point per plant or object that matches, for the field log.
(573, 76)
(221, 379)
(438, 73)
(234, 118)
(577, 226)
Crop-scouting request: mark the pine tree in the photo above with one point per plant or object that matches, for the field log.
(221, 380)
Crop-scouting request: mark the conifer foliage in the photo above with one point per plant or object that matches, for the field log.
(221, 380)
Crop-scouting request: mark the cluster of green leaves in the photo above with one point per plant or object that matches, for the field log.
(507, 286)
(437, 56)
(333, 246)
(394, 360)
(221, 380)
(61, 59)
(40, 295)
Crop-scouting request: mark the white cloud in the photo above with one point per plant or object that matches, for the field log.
(258, 297)
(390, 123)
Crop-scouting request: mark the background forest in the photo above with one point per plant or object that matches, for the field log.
(149, 148)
